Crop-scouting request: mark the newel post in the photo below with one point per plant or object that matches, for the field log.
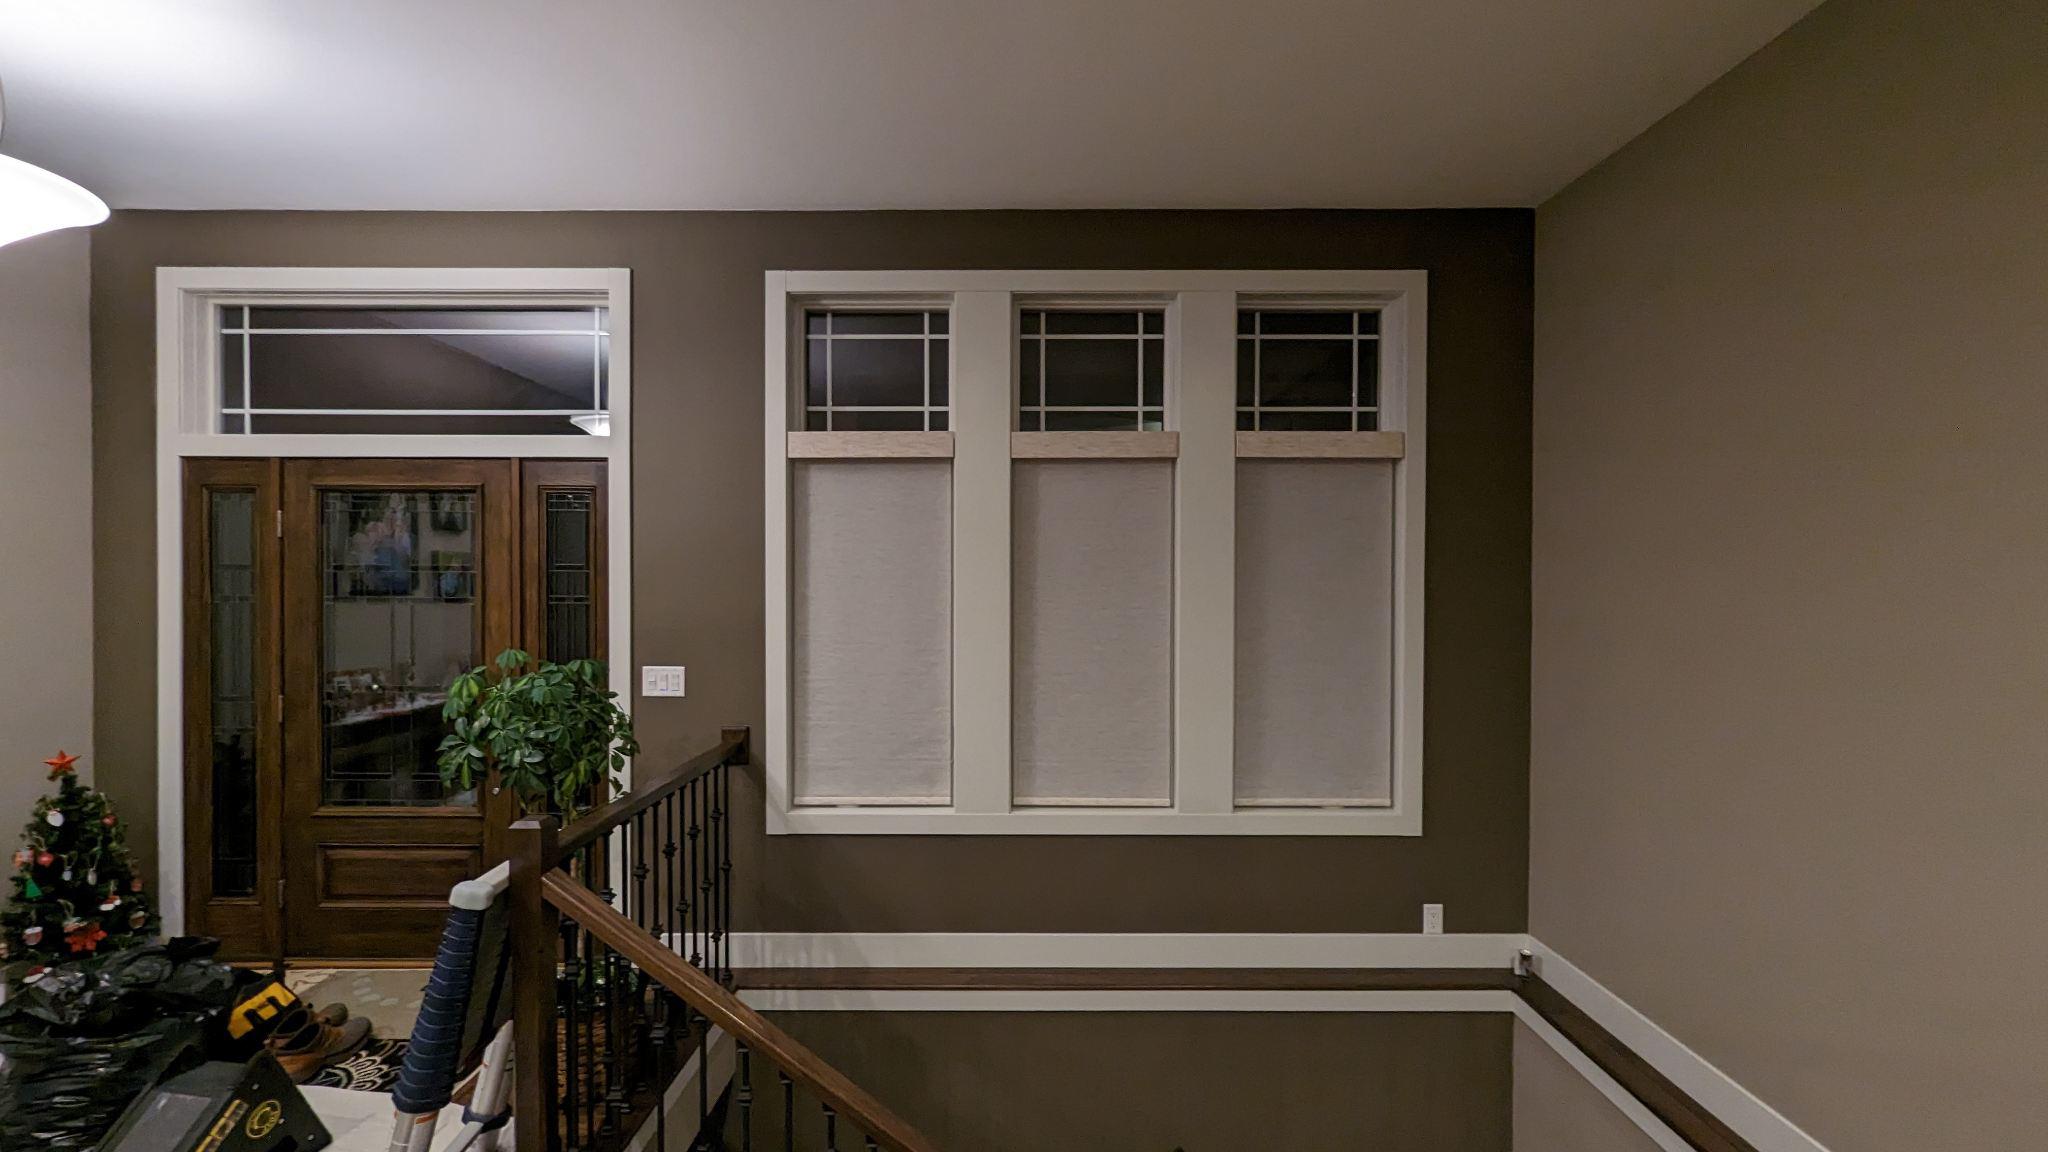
(535, 942)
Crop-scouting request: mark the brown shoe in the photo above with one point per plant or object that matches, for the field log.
(305, 1043)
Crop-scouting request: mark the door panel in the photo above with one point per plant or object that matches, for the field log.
(397, 576)
(232, 805)
(562, 563)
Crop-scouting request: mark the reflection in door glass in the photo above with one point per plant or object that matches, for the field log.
(231, 696)
(399, 619)
(569, 606)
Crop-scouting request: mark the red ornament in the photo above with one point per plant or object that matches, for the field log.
(135, 885)
(85, 938)
(45, 859)
(108, 819)
(61, 764)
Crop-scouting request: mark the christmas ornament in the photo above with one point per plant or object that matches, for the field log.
(54, 818)
(137, 918)
(108, 820)
(110, 903)
(45, 859)
(32, 935)
(32, 890)
(35, 975)
(6, 949)
(135, 885)
(85, 938)
(61, 764)
(67, 874)
(92, 876)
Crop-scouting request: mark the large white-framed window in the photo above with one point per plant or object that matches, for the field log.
(1158, 581)
(240, 359)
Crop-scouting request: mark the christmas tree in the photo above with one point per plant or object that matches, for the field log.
(75, 887)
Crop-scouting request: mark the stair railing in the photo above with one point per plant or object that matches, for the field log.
(622, 971)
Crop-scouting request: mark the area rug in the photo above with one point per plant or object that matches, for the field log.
(389, 998)
(371, 1068)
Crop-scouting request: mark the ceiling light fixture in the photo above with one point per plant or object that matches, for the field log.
(34, 200)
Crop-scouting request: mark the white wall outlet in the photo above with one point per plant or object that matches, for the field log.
(1432, 919)
(661, 680)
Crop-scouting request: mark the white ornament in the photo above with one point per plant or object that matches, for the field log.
(55, 818)
(67, 873)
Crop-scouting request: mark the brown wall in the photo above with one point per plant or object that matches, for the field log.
(1790, 633)
(1155, 1081)
(697, 539)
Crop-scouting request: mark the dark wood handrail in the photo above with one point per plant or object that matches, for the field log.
(731, 748)
(722, 1008)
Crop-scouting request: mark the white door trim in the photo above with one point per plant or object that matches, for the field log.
(185, 355)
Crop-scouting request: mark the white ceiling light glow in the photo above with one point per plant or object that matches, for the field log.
(34, 200)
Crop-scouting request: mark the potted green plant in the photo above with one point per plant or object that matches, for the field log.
(551, 734)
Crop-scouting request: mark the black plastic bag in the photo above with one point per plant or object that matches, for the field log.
(78, 1044)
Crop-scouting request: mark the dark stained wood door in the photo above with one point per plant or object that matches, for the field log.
(397, 575)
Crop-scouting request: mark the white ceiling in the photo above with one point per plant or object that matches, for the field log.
(527, 104)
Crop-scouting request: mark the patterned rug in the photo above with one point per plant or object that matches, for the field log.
(372, 1068)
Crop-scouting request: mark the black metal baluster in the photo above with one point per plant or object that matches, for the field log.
(725, 868)
(697, 909)
(788, 1111)
(831, 1128)
(571, 975)
(745, 1098)
(593, 867)
(640, 871)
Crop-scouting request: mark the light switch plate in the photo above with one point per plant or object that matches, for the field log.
(1432, 919)
(661, 680)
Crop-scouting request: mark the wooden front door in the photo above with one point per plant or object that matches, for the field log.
(327, 605)
(398, 575)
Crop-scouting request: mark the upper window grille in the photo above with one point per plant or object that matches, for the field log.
(1082, 371)
(412, 371)
(875, 371)
(1308, 371)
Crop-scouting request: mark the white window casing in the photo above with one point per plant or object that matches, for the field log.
(1101, 679)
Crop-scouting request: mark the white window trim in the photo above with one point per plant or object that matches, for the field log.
(186, 394)
(1202, 409)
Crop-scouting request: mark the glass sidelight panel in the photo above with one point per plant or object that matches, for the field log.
(231, 608)
(400, 617)
(569, 609)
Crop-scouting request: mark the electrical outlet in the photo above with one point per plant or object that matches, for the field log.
(1432, 919)
(659, 680)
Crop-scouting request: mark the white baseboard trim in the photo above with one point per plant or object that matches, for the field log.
(1121, 1000)
(1716, 1091)
(1125, 950)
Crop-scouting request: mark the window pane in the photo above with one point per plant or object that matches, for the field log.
(1155, 373)
(1304, 373)
(1091, 372)
(877, 323)
(409, 424)
(1068, 420)
(870, 420)
(322, 368)
(1027, 374)
(399, 619)
(1091, 323)
(1271, 420)
(857, 361)
(1304, 323)
(569, 611)
(877, 372)
(231, 606)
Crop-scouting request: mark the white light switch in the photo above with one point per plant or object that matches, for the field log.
(1432, 919)
(660, 680)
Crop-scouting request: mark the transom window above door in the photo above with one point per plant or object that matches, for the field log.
(414, 370)
(1091, 370)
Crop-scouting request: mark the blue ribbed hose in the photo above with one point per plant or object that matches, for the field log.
(427, 1077)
